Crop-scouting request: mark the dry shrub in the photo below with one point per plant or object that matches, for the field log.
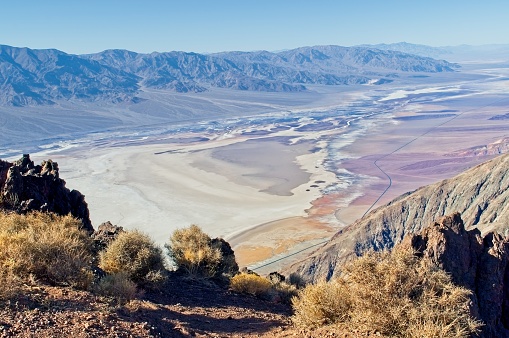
(250, 283)
(296, 280)
(322, 304)
(49, 246)
(393, 293)
(192, 251)
(9, 285)
(283, 292)
(134, 254)
(118, 286)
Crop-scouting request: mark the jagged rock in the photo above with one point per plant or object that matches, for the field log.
(25, 187)
(105, 234)
(228, 265)
(479, 264)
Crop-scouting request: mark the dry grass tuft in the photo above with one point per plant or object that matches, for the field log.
(118, 286)
(9, 285)
(250, 283)
(134, 254)
(48, 246)
(192, 251)
(395, 294)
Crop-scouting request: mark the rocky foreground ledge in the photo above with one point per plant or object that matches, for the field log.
(26, 187)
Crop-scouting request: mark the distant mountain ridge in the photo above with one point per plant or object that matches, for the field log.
(31, 77)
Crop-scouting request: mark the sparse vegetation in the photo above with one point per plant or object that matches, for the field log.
(134, 254)
(250, 283)
(395, 294)
(45, 245)
(9, 284)
(296, 280)
(194, 252)
(118, 286)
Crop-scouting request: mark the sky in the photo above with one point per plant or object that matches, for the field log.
(144, 26)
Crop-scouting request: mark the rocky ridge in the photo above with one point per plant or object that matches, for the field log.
(25, 186)
(31, 77)
(480, 195)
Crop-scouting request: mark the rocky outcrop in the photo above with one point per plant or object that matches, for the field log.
(480, 195)
(25, 187)
(105, 234)
(477, 263)
(228, 265)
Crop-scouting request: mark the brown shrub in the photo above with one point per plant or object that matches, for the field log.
(134, 254)
(250, 283)
(118, 286)
(9, 285)
(322, 304)
(192, 251)
(394, 293)
(48, 246)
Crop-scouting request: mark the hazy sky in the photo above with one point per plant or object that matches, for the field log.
(216, 25)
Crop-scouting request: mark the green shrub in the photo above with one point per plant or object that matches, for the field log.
(394, 293)
(134, 254)
(47, 246)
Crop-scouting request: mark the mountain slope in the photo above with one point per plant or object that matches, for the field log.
(480, 195)
(29, 77)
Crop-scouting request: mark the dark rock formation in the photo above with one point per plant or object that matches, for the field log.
(25, 187)
(228, 265)
(477, 263)
(480, 195)
(105, 234)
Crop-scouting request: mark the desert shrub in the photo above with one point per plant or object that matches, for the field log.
(296, 280)
(134, 254)
(250, 283)
(9, 285)
(47, 246)
(282, 292)
(276, 278)
(393, 293)
(194, 252)
(322, 304)
(118, 286)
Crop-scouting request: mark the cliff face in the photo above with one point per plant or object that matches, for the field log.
(25, 187)
(480, 195)
(477, 263)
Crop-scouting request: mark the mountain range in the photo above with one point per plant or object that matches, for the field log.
(32, 77)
